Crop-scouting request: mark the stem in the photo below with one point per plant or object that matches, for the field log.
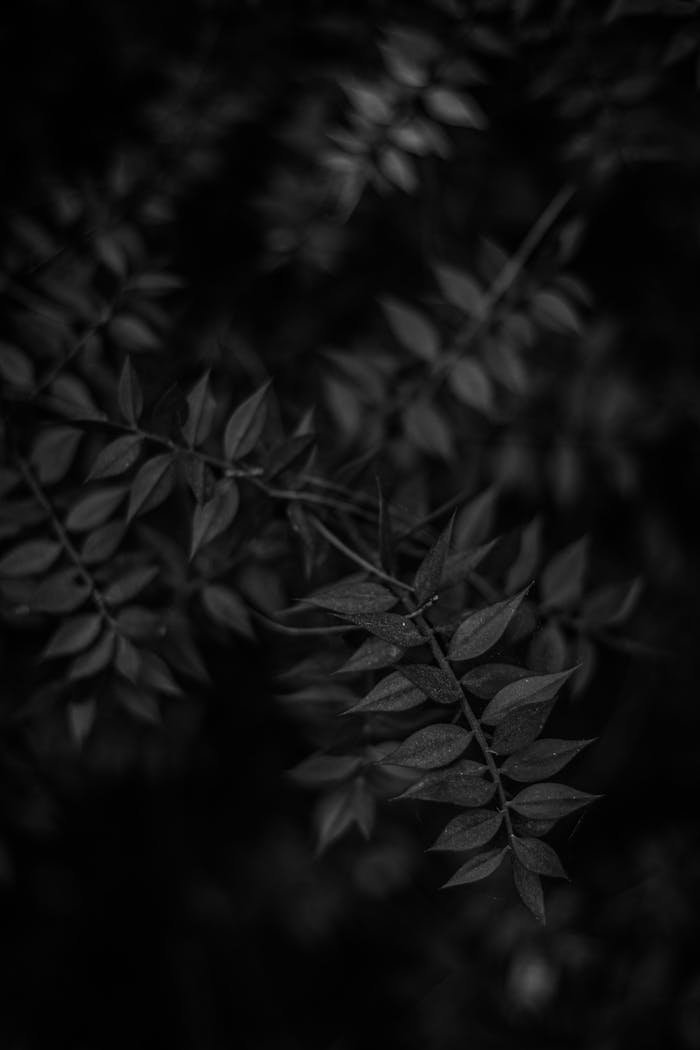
(336, 542)
(65, 541)
(474, 724)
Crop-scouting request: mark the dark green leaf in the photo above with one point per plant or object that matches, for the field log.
(550, 801)
(214, 517)
(130, 584)
(533, 689)
(371, 656)
(117, 457)
(541, 759)
(436, 684)
(537, 856)
(459, 565)
(288, 454)
(101, 544)
(430, 571)
(489, 679)
(246, 425)
(195, 428)
(477, 868)
(461, 785)
(393, 693)
(390, 627)
(34, 556)
(73, 636)
(529, 887)
(431, 747)
(469, 830)
(130, 396)
(521, 727)
(480, 631)
(354, 596)
(94, 508)
(152, 485)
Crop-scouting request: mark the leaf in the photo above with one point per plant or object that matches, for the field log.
(489, 679)
(117, 457)
(289, 453)
(227, 609)
(129, 585)
(94, 659)
(94, 508)
(81, 718)
(521, 727)
(449, 107)
(398, 168)
(459, 565)
(393, 693)
(472, 385)
(139, 703)
(548, 650)
(430, 571)
(525, 565)
(462, 290)
(480, 631)
(333, 816)
(156, 674)
(132, 333)
(70, 397)
(532, 689)
(612, 605)
(34, 556)
(550, 801)
(390, 627)
(474, 523)
(73, 636)
(137, 623)
(101, 544)
(555, 311)
(431, 747)
(354, 596)
(561, 583)
(539, 857)
(325, 769)
(426, 428)
(53, 452)
(541, 759)
(195, 428)
(413, 330)
(461, 785)
(529, 887)
(127, 659)
(434, 682)
(15, 367)
(477, 868)
(60, 593)
(469, 830)
(371, 655)
(152, 485)
(246, 424)
(214, 517)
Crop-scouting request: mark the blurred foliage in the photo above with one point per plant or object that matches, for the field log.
(273, 277)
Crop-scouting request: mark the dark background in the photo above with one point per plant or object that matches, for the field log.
(162, 889)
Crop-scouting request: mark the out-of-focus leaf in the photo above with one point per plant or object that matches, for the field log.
(195, 428)
(152, 485)
(613, 605)
(413, 330)
(555, 311)
(529, 887)
(477, 868)
(137, 623)
(537, 856)
(561, 582)
(525, 565)
(372, 655)
(155, 673)
(15, 367)
(76, 634)
(451, 107)
(130, 584)
(228, 609)
(472, 385)
(459, 565)
(101, 544)
(81, 718)
(532, 689)
(117, 457)
(34, 556)
(461, 290)
(127, 659)
(246, 424)
(288, 454)
(61, 592)
(480, 630)
(70, 397)
(549, 801)
(469, 830)
(541, 759)
(427, 430)
(398, 168)
(131, 333)
(94, 508)
(53, 452)
(325, 769)
(94, 659)
(548, 650)
(475, 521)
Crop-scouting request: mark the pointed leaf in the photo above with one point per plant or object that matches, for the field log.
(461, 290)
(129, 585)
(60, 593)
(541, 759)
(15, 367)
(70, 397)
(469, 830)
(431, 747)
(521, 727)
(227, 608)
(101, 544)
(193, 430)
(130, 396)
(561, 583)
(155, 673)
(152, 485)
(435, 683)
(138, 623)
(94, 659)
(489, 679)
(393, 693)
(430, 571)
(412, 328)
(73, 636)
(480, 631)
(451, 107)
(246, 424)
(371, 656)
(325, 769)
(474, 523)
(529, 887)
(390, 627)
(34, 556)
(94, 508)
(537, 856)
(550, 801)
(533, 689)
(117, 457)
(525, 565)
(612, 605)
(127, 659)
(477, 868)
(461, 785)
(354, 596)
(426, 428)
(211, 519)
(53, 452)
(459, 565)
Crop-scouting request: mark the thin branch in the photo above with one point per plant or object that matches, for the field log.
(336, 542)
